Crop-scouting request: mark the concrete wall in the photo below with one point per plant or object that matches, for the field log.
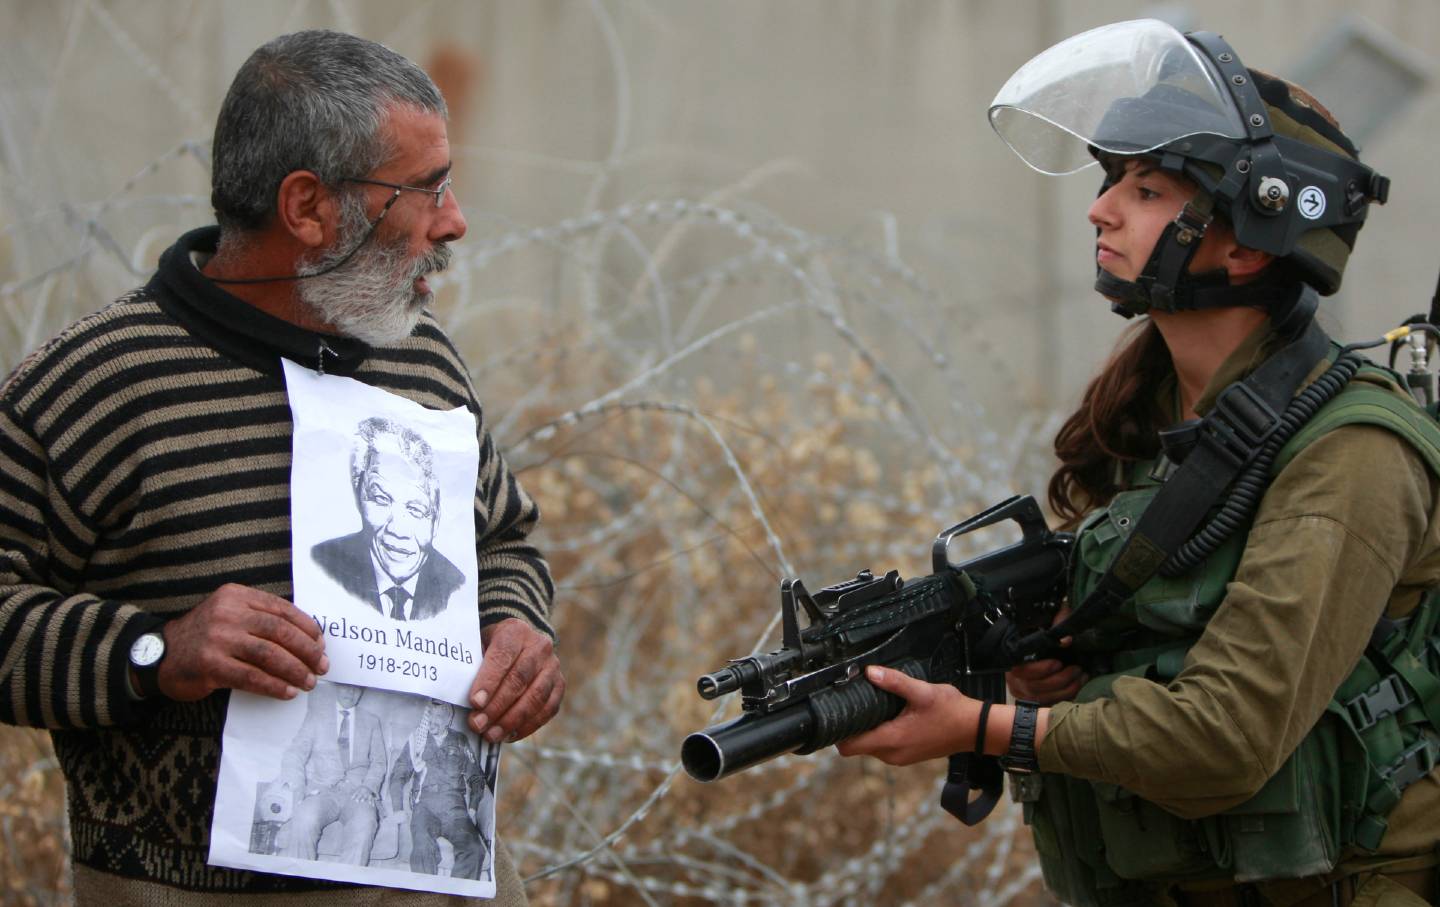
(850, 118)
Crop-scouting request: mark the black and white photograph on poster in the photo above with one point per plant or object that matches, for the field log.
(357, 785)
(383, 533)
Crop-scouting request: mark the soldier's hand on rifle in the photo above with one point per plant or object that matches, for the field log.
(244, 639)
(1048, 680)
(938, 720)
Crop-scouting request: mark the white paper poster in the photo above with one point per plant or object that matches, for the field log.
(356, 785)
(382, 523)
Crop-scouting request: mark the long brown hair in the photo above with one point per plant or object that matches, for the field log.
(1115, 423)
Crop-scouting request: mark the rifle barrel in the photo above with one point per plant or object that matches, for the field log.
(717, 684)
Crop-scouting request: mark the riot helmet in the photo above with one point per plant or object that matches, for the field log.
(1265, 155)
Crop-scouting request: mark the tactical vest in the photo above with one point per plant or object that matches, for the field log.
(1102, 846)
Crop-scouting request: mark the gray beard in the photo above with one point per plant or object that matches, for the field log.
(372, 297)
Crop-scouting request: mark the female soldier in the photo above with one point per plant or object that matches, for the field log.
(1255, 721)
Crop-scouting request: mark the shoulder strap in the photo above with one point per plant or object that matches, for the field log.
(1371, 399)
(1239, 434)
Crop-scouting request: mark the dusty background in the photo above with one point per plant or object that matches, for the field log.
(751, 290)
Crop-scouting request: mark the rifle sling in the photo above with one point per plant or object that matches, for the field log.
(969, 773)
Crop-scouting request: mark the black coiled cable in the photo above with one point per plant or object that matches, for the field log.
(1250, 485)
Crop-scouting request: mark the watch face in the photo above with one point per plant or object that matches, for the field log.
(147, 650)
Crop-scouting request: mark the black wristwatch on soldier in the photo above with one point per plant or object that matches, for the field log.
(146, 653)
(1020, 758)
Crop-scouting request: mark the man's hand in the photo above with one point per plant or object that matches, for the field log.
(244, 639)
(938, 720)
(519, 685)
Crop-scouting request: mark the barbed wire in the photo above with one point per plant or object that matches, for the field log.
(689, 396)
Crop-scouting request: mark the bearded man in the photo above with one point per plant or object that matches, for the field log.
(445, 797)
(145, 458)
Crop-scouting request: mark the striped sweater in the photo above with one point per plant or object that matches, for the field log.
(144, 462)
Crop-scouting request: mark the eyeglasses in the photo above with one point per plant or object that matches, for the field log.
(438, 191)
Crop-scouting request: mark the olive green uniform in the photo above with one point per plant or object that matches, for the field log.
(1348, 531)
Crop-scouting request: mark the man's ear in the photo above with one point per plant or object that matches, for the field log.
(306, 209)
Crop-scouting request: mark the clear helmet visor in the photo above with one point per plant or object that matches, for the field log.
(1125, 88)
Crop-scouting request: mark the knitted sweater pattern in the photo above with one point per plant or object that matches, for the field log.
(145, 462)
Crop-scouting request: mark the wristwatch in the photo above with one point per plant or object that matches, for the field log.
(146, 653)
(1020, 757)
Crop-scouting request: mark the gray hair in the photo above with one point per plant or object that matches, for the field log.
(312, 100)
(372, 433)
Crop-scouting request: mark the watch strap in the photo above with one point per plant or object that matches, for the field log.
(147, 680)
(1020, 757)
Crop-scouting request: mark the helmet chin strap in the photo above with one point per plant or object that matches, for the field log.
(1166, 284)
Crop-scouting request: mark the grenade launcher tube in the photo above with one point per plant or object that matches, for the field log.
(818, 721)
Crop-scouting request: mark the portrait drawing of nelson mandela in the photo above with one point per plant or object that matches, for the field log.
(391, 564)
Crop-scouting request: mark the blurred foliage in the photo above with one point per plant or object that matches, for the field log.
(33, 843)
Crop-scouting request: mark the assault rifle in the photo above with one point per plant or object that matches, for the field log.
(960, 625)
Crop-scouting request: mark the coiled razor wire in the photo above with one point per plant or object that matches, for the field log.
(850, 879)
(594, 783)
(771, 255)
